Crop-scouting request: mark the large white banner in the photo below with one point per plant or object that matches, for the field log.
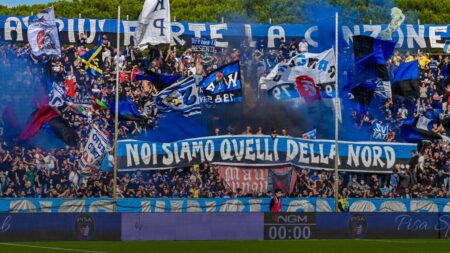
(153, 25)
(43, 34)
(95, 149)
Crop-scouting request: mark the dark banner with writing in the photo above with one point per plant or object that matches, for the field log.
(253, 150)
(203, 45)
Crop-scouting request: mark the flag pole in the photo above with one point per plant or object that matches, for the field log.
(116, 116)
(336, 116)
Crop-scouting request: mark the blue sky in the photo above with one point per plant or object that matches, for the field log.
(12, 3)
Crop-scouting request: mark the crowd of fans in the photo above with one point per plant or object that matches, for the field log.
(27, 171)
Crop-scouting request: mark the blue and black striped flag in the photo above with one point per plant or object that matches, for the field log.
(406, 81)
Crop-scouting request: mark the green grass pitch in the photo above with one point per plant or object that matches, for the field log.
(313, 246)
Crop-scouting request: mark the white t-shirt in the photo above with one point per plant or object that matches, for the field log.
(119, 60)
(421, 162)
(49, 163)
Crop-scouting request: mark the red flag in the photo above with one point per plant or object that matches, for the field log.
(40, 117)
(308, 89)
(60, 127)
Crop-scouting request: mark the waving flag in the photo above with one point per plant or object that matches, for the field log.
(311, 76)
(98, 104)
(79, 108)
(363, 93)
(48, 114)
(371, 55)
(39, 118)
(182, 96)
(160, 81)
(127, 109)
(406, 81)
(43, 34)
(92, 60)
(419, 128)
(223, 85)
(64, 132)
(94, 150)
(153, 25)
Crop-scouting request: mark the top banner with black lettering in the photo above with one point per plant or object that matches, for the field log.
(252, 150)
(409, 36)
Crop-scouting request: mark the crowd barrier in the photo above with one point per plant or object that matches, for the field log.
(244, 205)
(221, 226)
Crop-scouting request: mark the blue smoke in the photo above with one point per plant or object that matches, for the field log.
(24, 89)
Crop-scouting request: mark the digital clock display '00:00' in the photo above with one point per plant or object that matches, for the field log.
(289, 226)
(287, 232)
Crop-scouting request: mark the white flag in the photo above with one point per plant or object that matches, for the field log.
(43, 34)
(153, 24)
(95, 149)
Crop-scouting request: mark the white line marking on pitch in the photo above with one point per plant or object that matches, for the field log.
(51, 248)
(387, 241)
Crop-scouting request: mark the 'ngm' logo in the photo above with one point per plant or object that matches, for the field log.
(290, 218)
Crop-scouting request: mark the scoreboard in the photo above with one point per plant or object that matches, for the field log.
(289, 226)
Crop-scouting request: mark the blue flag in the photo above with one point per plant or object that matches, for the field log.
(223, 85)
(371, 55)
(182, 97)
(406, 80)
(409, 132)
(107, 164)
(369, 50)
(161, 81)
(419, 128)
(127, 109)
(363, 94)
(407, 71)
